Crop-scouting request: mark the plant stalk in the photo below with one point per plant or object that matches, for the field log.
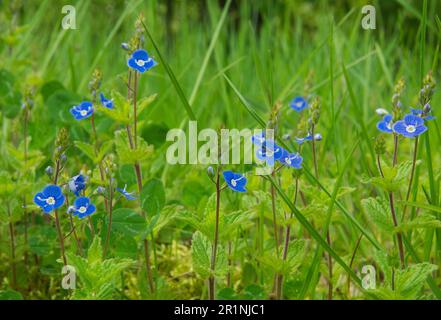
(211, 279)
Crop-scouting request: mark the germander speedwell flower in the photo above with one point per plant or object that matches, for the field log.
(82, 111)
(50, 198)
(298, 104)
(410, 127)
(293, 160)
(108, 103)
(235, 181)
(82, 207)
(77, 184)
(127, 195)
(269, 152)
(386, 124)
(141, 61)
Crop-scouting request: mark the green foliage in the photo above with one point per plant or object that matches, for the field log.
(153, 197)
(129, 155)
(201, 257)
(100, 279)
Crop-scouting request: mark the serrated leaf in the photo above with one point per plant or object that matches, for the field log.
(423, 220)
(87, 149)
(95, 252)
(201, 256)
(379, 213)
(126, 154)
(153, 197)
(128, 222)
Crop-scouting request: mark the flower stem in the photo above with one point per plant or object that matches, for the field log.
(12, 243)
(138, 173)
(412, 174)
(57, 220)
(72, 225)
(314, 153)
(109, 226)
(392, 207)
(211, 279)
(273, 207)
(279, 284)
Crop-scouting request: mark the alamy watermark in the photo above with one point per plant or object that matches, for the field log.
(227, 146)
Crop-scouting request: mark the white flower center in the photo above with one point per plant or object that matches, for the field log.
(233, 182)
(389, 125)
(82, 209)
(83, 112)
(288, 160)
(50, 201)
(299, 104)
(141, 63)
(410, 128)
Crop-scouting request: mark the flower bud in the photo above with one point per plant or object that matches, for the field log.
(210, 172)
(49, 171)
(125, 46)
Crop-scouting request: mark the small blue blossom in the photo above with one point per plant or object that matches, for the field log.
(82, 111)
(50, 198)
(420, 113)
(82, 207)
(386, 124)
(127, 195)
(301, 140)
(298, 104)
(410, 127)
(258, 139)
(235, 181)
(269, 152)
(291, 159)
(141, 61)
(77, 184)
(108, 103)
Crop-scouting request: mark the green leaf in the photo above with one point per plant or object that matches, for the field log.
(201, 256)
(379, 213)
(10, 295)
(423, 220)
(410, 280)
(128, 222)
(87, 149)
(95, 252)
(126, 154)
(121, 112)
(153, 197)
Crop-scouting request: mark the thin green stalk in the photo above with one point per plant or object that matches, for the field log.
(138, 174)
(392, 207)
(412, 174)
(57, 219)
(12, 244)
(109, 226)
(211, 279)
(279, 285)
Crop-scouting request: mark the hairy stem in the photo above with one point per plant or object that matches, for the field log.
(279, 284)
(412, 174)
(57, 219)
(137, 168)
(392, 207)
(211, 280)
(109, 226)
(12, 243)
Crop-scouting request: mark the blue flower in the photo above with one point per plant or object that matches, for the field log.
(235, 181)
(420, 113)
(258, 139)
(82, 111)
(386, 124)
(291, 159)
(141, 61)
(108, 103)
(82, 207)
(301, 140)
(77, 184)
(410, 127)
(50, 198)
(269, 152)
(298, 104)
(127, 195)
